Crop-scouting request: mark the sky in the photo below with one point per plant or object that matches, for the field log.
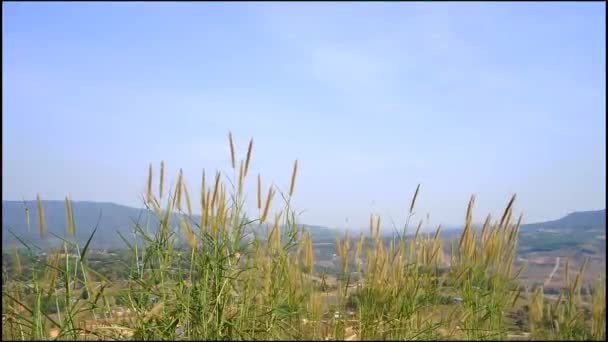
(372, 99)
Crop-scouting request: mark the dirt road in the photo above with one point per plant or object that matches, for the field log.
(552, 272)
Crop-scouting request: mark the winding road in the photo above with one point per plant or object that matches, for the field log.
(552, 272)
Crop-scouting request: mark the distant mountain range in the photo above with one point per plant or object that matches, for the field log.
(585, 220)
(583, 231)
(113, 217)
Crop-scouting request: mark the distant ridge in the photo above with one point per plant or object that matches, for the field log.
(579, 219)
(114, 217)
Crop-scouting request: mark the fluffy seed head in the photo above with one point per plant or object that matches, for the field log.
(27, 218)
(188, 203)
(69, 217)
(267, 206)
(42, 224)
(215, 188)
(149, 187)
(241, 176)
(162, 179)
(232, 160)
(178, 190)
(259, 192)
(248, 159)
(414, 199)
(202, 197)
(507, 211)
(293, 178)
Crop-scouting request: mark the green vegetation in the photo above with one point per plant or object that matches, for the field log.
(549, 241)
(215, 276)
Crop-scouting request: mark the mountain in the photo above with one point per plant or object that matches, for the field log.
(110, 217)
(577, 230)
(583, 232)
(584, 220)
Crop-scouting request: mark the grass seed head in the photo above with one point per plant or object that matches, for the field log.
(187, 195)
(267, 205)
(232, 160)
(414, 199)
(292, 184)
(241, 176)
(203, 186)
(41, 222)
(216, 188)
(178, 190)
(248, 159)
(161, 181)
(27, 218)
(149, 187)
(69, 217)
(259, 192)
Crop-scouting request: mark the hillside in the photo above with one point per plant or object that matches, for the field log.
(585, 231)
(111, 218)
(580, 220)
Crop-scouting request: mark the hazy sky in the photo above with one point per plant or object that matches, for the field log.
(371, 98)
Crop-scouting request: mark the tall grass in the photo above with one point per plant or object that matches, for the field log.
(233, 276)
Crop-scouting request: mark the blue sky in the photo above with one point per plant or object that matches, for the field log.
(372, 98)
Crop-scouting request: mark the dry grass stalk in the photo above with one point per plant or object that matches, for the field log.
(232, 160)
(71, 228)
(207, 209)
(41, 222)
(436, 236)
(307, 252)
(51, 272)
(27, 218)
(190, 236)
(465, 232)
(267, 205)
(241, 176)
(274, 239)
(293, 178)
(215, 189)
(178, 190)
(537, 307)
(598, 310)
(149, 187)
(259, 192)
(18, 267)
(342, 246)
(202, 202)
(414, 199)
(358, 250)
(161, 182)
(507, 211)
(417, 230)
(188, 203)
(248, 158)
